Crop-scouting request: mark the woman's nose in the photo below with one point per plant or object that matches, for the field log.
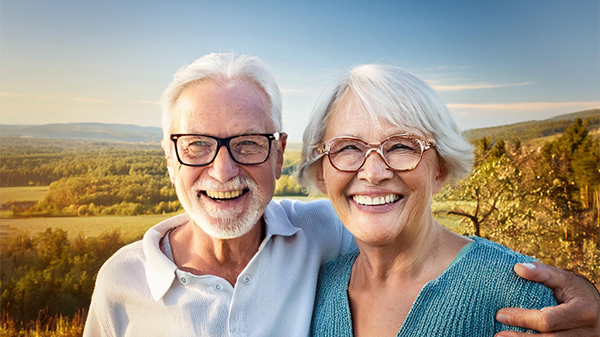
(375, 170)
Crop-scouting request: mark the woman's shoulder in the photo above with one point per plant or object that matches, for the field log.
(488, 250)
(334, 275)
(490, 265)
(337, 266)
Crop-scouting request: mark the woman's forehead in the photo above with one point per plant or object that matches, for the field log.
(349, 117)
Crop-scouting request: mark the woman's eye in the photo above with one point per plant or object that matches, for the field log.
(348, 148)
(400, 147)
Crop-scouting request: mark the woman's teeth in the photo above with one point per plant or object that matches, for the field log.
(364, 200)
(223, 195)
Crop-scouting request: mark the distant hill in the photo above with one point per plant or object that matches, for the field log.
(86, 131)
(534, 129)
(129, 133)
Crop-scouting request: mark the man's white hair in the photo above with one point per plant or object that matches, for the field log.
(223, 67)
(391, 94)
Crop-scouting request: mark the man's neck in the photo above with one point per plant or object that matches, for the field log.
(196, 252)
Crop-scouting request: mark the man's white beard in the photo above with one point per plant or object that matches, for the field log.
(232, 222)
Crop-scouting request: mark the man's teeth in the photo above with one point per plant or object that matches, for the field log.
(224, 195)
(365, 200)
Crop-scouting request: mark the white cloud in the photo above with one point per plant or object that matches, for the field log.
(10, 94)
(89, 100)
(460, 87)
(525, 106)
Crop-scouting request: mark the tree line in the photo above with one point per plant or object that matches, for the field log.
(89, 179)
(543, 202)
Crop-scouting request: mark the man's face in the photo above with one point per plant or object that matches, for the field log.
(224, 198)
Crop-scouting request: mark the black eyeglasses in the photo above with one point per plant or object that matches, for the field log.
(399, 152)
(201, 150)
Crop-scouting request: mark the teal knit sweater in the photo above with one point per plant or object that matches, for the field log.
(463, 301)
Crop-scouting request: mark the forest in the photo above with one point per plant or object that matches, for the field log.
(539, 200)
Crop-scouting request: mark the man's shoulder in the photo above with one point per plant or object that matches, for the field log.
(318, 222)
(302, 213)
(126, 260)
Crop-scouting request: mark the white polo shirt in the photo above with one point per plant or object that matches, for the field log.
(141, 292)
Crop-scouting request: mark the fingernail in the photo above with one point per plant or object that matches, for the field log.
(528, 265)
(503, 318)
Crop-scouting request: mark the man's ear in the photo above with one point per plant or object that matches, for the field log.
(281, 144)
(167, 148)
(441, 175)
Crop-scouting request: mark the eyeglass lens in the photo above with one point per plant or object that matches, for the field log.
(201, 150)
(400, 153)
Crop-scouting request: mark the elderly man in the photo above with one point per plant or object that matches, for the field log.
(236, 263)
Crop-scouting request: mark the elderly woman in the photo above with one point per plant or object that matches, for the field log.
(380, 143)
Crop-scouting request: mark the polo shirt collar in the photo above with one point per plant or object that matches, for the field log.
(160, 270)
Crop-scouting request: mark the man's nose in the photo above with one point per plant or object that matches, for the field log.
(223, 168)
(375, 170)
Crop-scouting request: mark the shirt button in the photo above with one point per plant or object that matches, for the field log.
(183, 280)
(219, 287)
(247, 279)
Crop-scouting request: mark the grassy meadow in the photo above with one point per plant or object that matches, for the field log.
(25, 193)
(131, 227)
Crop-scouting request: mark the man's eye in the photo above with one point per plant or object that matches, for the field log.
(248, 143)
(198, 144)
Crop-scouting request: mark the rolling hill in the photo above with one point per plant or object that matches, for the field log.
(129, 133)
(534, 129)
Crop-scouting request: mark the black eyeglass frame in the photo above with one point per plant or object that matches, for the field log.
(325, 149)
(224, 142)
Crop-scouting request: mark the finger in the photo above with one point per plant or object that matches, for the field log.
(550, 276)
(569, 333)
(514, 334)
(524, 318)
(548, 319)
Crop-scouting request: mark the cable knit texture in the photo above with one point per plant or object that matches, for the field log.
(463, 301)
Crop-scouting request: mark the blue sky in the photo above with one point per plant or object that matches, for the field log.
(493, 63)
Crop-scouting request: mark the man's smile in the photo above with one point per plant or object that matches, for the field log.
(224, 195)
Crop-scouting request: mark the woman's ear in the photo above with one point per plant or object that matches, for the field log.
(320, 179)
(441, 175)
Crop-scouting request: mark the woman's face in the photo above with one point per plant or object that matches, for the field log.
(352, 193)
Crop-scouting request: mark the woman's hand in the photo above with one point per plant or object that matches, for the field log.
(577, 312)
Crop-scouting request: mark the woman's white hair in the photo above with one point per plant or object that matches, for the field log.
(391, 94)
(226, 66)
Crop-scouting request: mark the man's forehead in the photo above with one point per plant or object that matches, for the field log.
(223, 106)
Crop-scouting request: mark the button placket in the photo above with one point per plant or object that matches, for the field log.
(247, 279)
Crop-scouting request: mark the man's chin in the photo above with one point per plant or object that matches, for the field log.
(225, 226)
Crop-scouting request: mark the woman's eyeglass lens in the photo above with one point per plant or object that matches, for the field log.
(400, 153)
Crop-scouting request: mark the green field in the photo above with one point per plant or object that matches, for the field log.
(27, 193)
(131, 227)
(134, 226)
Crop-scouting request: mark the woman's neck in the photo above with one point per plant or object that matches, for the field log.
(421, 253)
